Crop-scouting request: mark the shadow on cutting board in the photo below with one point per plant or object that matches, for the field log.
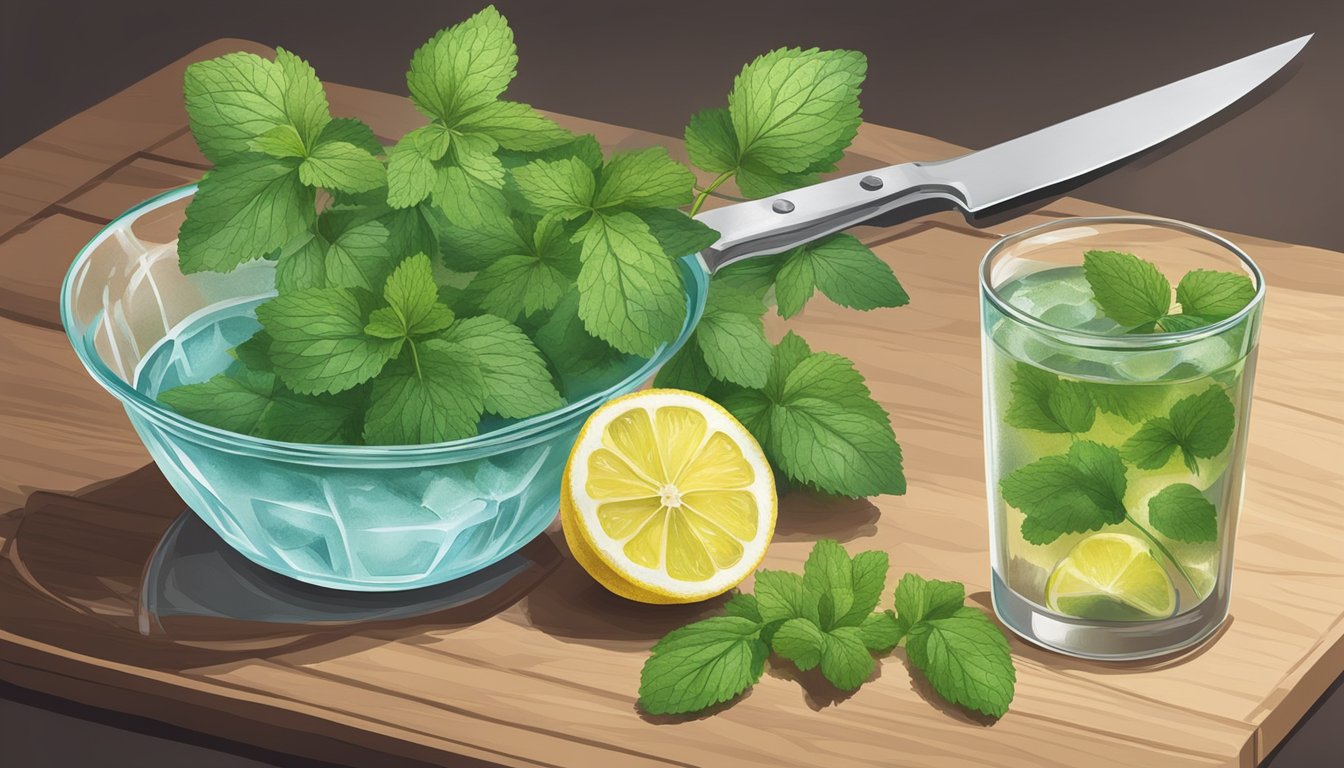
(123, 571)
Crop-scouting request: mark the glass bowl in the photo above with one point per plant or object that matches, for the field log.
(345, 517)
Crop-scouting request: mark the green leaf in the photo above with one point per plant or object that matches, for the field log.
(781, 595)
(756, 183)
(465, 199)
(1152, 445)
(514, 126)
(702, 664)
(677, 234)
(1203, 423)
(318, 342)
(828, 574)
(411, 176)
(475, 245)
(464, 67)
(880, 632)
(583, 148)
(357, 253)
(302, 263)
(644, 178)
(845, 659)
(966, 659)
(799, 641)
(305, 102)
(1081, 491)
(754, 276)
(413, 299)
(475, 155)
(630, 295)
(254, 403)
(743, 606)
(686, 370)
(919, 599)
(342, 166)
(711, 141)
(1182, 323)
(241, 212)
(795, 283)
(1129, 290)
(1044, 402)
(793, 108)
(1133, 403)
(574, 353)
(826, 430)
(280, 142)
(516, 286)
(564, 187)
(1213, 296)
(844, 269)
(1182, 512)
(868, 579)
(433, 392)
(232, 100)
(731, 337)
(351, 131)
(517, 382)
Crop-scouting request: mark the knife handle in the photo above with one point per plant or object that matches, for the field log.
(781, 222)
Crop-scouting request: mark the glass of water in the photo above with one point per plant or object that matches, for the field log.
(1114, 446)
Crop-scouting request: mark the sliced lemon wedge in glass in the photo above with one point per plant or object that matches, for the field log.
(667, 498)
(1111, 577)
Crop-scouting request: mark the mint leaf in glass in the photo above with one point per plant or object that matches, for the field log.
(1182, 512)
(1199, 425)
(1046, 403)
(1082, 490)
(1129, 290)
(1213, 295)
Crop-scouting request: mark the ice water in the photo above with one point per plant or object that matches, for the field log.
(1128, 387)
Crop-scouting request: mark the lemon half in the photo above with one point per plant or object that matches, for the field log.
(667, 498)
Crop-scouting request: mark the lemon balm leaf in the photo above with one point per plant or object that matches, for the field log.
(799, 641)
(432, 392)
(644, 178)
(711, 141)
(845, 660)
(1152, 445)
(410, 165)
(966, 659)
(918, 599)
(1203, 423)
(513, 126)
(232, 100)
(342, 166)
(630, 293)
(318, 343)
(517, 382)
(464, 67)
(702, 664)
(1182, 512)
(792, 108)
(241, 212)
(677, 234)
(731, 337)
(1044, 402)
(1129, 290)
(564, 187)
(843, 269)
(880, 632)
(1213, 295)
(1081, 491)
(254, 402)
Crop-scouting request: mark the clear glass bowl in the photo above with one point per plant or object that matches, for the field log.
(345, 517)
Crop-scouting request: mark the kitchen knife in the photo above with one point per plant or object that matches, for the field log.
(990, 177)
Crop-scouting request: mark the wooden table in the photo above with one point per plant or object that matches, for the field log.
(545, 672)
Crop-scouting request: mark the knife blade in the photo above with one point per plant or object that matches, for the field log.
(993, 176)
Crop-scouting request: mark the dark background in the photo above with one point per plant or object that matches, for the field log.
(973, 73)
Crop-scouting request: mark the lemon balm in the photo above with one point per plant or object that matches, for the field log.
(1118, 359)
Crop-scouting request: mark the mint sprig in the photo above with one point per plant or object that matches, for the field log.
(827, 619)
(1135, 294)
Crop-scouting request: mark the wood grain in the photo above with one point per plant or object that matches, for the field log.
(551, 679)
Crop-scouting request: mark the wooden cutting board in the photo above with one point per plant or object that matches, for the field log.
(546, 672)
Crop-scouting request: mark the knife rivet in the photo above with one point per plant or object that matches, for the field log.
(782, 206)
(870, 183)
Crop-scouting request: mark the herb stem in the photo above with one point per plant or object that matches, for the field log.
(707, 191)
(1163, 548)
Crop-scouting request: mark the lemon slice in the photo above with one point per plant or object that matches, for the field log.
(1112, 577)
(667, 498)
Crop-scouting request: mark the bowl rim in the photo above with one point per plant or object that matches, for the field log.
(511, 435)
(1146, 341)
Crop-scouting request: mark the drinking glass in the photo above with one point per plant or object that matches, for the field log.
(1114, 459)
